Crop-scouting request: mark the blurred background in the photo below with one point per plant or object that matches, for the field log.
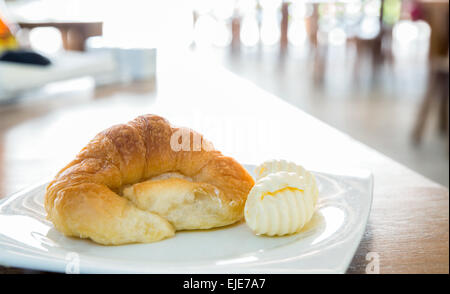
(374, 69)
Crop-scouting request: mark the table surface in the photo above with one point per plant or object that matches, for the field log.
(408, 226)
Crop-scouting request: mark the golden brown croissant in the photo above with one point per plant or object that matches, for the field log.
(132, 183)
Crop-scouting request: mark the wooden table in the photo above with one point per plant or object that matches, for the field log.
(73, 34)
(408, 225)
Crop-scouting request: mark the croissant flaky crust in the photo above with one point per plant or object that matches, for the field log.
(141, 181)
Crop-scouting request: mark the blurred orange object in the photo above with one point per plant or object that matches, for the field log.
(7, 39)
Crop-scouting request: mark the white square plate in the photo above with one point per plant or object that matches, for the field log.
(326, 245)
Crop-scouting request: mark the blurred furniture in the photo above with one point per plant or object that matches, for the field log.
(408, 227)
(320, 50)
(17, 79)
(235, 31)
(74, 34)
(436, 14)
(373, 47)
(284, 26)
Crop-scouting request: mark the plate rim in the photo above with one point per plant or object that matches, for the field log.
(59, 265)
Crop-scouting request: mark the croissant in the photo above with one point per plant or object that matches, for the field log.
(133, 183)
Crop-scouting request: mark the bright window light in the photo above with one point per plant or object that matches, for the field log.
(249, 31)
(337, 37)
(270, 28)
(297, 32)
(46, 40)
